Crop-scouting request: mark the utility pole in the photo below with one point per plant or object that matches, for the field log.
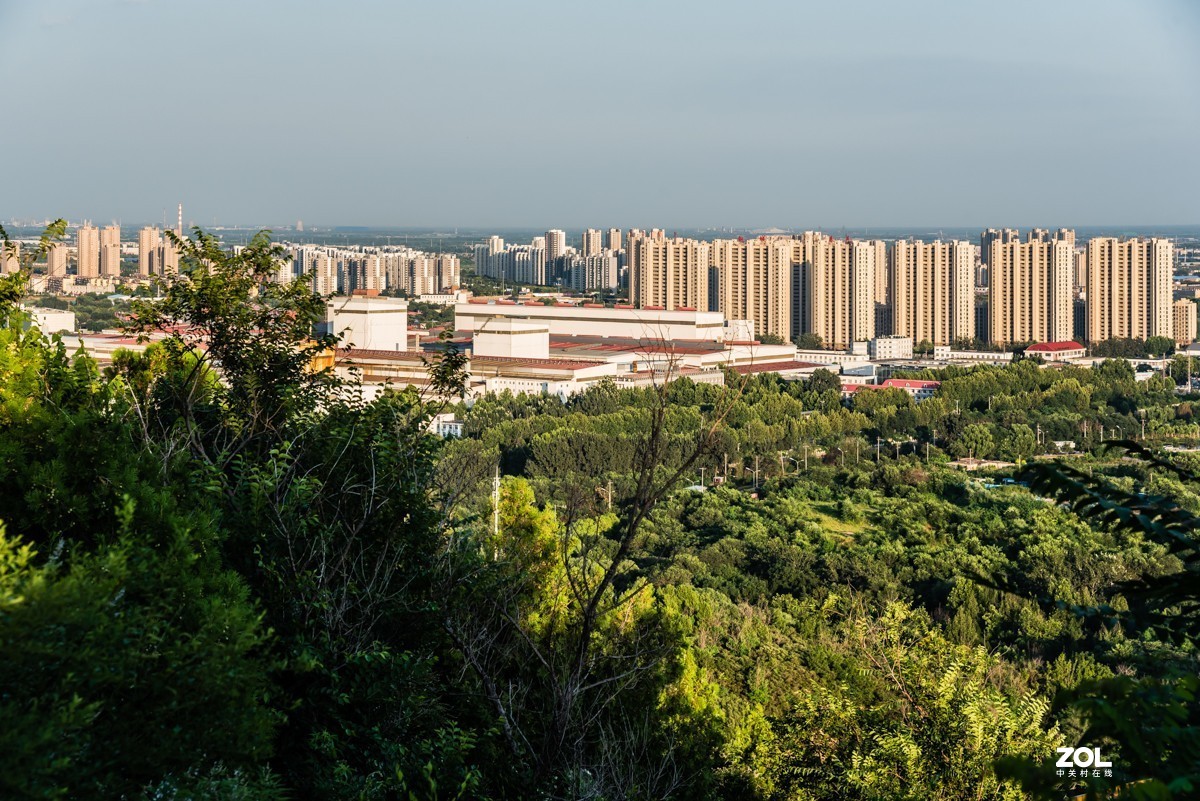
(702, 469)
(878, 440)
(607, 494)
(496, 503)
(726, 473)
(806, 458)
(756, 473)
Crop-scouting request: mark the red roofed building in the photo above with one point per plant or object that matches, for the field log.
(1057, 351)
(850, 390)
(920, 390)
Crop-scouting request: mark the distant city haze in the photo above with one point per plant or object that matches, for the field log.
(675, 114)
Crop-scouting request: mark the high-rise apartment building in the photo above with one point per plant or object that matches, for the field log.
(933, 291)
(556, 244)
(1129, 288)
(10, 257)
(449, 271)
(834, 288)
(668, 273)
(1029, 297)
(1081, 271)
(754, 280)
(324, 274)
(56, 260)
(1184, 321)
(593, 242)
(110, 251)
(1002, 235)
(882, 294)
(168, 256)
(614, 239)
(595, 272)
(87, 251)
(149, 250)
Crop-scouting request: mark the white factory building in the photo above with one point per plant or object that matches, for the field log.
(369, 322)
(593, 319)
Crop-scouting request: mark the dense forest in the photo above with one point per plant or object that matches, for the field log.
(224, 575)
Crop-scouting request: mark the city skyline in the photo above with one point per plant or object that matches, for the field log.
(427, 116)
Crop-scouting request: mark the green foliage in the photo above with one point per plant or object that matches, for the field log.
(824, 381)
(939, 715)
(809, 341)
(1134, 348)
(225, 309)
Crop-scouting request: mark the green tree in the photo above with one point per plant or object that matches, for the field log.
(975, 442)
(1158, 346)
(1021, 443)
(810, 341)
(823, 380)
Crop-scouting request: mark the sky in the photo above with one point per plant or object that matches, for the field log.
(657, 113)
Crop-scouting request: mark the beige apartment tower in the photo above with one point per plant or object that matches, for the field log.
(1184, 321)
(149, 250)
(755, 280)
(10, 257)
(56, 260)
(614, 239)
(834, 288)
(933, 291)
(1129, 288)
(556, 244)
(668, 273)
(110, 251)
(593, 242)
(1029, 297)
(87, 251)
(168, 256)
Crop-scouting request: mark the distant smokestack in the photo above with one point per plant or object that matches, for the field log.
(179, 226)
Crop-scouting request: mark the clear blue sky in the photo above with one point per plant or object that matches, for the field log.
(564, 114)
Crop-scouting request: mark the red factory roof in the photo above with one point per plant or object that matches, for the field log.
(368, 353)
(909, 383)
(1053, 347)
(482, 361)
(774, 367)
(517, 361)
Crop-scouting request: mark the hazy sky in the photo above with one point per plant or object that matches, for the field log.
(564, 114)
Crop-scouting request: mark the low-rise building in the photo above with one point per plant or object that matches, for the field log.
(919, 389)
(887, 348)
(446, 425)
(1057, 351)
(369, 322)
(53, 321)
